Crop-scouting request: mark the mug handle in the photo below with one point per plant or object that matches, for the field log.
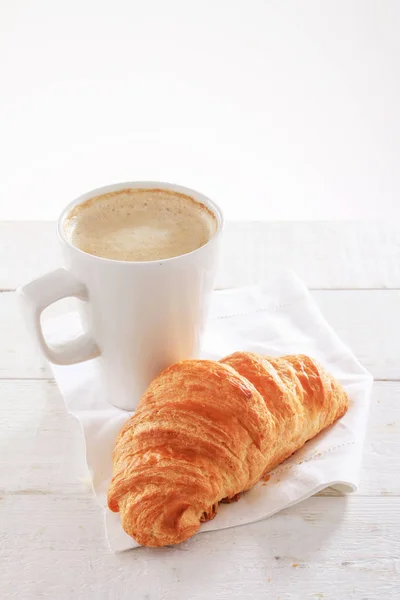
(40, 293)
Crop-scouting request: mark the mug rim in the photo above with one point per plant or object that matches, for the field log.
(163, 185)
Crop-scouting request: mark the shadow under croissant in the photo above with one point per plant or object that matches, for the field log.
(208, 516)
(277, 540)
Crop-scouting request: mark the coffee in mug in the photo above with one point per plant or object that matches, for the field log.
(140, 225)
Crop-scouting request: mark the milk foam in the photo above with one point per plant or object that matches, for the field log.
(140, 225)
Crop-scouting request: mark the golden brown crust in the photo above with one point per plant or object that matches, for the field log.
(206, 431)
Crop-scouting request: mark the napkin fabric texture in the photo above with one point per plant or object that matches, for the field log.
(275, 319)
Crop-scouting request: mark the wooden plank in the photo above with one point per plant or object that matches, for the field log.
(327, 255)
(382, 442)
(27, 250)
(366, 320)
(19, 356)
(41, 446)
(298, 553)
(42, 450)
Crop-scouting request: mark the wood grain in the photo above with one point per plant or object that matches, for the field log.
(366, 320)
(19, 356)
(327, 255)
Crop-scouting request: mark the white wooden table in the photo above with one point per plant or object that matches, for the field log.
(52, 542)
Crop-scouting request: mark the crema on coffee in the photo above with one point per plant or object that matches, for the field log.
(140, 225)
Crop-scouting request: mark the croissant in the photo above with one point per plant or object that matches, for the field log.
(206, 431)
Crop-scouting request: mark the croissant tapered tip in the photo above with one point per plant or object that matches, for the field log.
(175, 523)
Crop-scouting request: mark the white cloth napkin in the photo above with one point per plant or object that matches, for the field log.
(276, 319)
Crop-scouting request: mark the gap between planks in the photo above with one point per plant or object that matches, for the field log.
(310, 289)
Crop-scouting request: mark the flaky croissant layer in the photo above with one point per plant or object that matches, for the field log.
(205, 431)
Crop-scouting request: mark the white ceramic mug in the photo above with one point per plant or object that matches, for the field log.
(137, 317)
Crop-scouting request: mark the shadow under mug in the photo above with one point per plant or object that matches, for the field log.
(137, 317)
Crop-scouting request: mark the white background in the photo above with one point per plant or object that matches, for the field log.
(276, 109)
